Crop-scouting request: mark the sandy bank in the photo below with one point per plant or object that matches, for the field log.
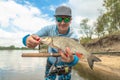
(109, 63)
(108, 69)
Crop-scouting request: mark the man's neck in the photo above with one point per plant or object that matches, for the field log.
(62, 32)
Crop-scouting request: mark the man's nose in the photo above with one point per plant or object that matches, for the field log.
(62, 22)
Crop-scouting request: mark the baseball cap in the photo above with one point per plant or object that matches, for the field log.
(63, 10)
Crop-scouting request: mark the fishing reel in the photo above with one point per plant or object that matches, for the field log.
(60, 70)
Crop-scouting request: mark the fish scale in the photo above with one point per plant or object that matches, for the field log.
(63, 42)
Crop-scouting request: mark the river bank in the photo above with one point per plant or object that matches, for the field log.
(108, 69)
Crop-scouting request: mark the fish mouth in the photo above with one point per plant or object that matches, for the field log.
(46, 40)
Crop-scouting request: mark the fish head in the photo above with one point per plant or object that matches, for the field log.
(46, 40)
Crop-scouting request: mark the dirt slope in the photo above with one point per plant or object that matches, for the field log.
(110, 63)
(108, 43)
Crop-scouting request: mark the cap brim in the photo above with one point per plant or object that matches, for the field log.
(62, 15)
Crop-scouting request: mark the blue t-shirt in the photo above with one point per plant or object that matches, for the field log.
(53, 31)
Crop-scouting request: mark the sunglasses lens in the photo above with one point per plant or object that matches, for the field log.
(58, 19)
(66, 20)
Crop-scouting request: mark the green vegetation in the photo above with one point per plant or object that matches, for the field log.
(89, 40)
(85, 40)
(107, 23)
(88, 30)
(12, 47)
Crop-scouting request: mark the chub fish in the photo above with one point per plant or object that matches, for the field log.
(63, 42)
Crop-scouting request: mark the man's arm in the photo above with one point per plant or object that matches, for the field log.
(74, 62)
(68, 57)
(31, 41)
(25, 38)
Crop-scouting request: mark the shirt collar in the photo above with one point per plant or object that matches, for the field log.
(62, 34)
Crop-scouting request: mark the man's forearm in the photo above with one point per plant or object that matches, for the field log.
(25, 38)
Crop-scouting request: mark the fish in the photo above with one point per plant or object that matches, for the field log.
(59, 42)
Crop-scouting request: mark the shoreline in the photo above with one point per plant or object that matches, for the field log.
(108, 69)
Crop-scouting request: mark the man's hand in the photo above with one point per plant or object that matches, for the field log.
(66, 56)
(32, 41)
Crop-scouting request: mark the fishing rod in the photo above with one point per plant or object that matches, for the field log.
(41, 55)
(45, 54)
(59, 70)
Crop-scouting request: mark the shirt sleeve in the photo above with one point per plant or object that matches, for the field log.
(42, 32)
(25, 38)
(74, 62)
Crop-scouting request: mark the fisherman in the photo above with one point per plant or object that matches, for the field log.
(63, 64)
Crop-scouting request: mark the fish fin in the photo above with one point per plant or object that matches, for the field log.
(91, 59)
(79, 55)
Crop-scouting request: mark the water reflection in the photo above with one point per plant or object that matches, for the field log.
(15, 67)
(12, 60)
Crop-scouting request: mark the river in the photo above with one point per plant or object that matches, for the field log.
(15, 67)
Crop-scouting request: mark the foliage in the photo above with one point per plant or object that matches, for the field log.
(85, 40)
(110, 20)
(88, 30)
(12, 47)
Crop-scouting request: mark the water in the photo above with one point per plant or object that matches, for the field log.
(15, 67)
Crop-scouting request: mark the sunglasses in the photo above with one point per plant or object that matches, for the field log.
(66, 19)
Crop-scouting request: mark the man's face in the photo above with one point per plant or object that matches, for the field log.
(63, 22)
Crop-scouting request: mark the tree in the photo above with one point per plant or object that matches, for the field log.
(109, 21)
(101, 25)
(113, 11)
(88, 30)
(12, 47)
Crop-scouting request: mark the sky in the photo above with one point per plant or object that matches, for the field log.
(21, 17)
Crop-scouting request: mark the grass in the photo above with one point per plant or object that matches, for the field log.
(88, 40)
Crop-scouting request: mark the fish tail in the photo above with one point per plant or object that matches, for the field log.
(91, 59)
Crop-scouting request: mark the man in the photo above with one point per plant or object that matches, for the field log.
(63, 18)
